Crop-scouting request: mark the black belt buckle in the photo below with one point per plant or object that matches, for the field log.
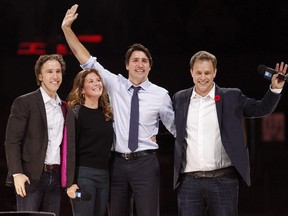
(51, 168)
(202, 174)
(46, 168)
(128, 156)
(134, 155)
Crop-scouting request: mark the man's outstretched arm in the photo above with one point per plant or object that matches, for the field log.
(80, 52)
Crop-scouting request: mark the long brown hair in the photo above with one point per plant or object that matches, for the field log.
(76, 97)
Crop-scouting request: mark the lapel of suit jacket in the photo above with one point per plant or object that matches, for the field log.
(64, 148)
(41, 106)
(219, 104)
(186, 101)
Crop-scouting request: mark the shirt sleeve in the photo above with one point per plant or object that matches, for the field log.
(276, 91)
(109, 78)
(167, 115)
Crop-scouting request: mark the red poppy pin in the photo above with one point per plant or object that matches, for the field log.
(66, 103)
(217, 98)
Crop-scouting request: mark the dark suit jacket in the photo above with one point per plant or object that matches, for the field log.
(231, 107)
(27, 138)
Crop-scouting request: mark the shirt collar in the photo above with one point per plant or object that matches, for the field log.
(211, 94)
(143, 85)
(47, 98)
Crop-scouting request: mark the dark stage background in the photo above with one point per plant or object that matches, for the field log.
(241, 33)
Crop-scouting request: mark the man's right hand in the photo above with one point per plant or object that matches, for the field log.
(70, 17)
(19, 183)
(80, 52)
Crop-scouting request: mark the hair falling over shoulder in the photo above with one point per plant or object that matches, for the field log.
(76, 97)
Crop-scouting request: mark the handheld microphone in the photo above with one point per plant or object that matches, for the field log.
(82, 195)
(267, 73)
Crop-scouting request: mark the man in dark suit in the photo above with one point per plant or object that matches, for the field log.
(40, 143)
(210, 151)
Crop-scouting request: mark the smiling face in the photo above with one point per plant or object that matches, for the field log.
(93, 86)
(203, 74)
(50, 77)
(138, 67)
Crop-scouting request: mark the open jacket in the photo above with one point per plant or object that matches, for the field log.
(27, 139)
(231, 106)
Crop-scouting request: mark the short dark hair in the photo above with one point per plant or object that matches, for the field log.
(203, 55)
(138, 47)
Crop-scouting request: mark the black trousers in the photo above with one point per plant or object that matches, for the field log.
(139, 177)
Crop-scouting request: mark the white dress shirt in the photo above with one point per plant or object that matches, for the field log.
(154, 104)
(205, 150)
(55, 124)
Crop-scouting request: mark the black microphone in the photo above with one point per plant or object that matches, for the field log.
(82, 195)
(267, 73)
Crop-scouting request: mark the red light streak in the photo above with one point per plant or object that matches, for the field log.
(39, 48)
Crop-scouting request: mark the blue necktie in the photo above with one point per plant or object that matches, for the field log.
(134, 120)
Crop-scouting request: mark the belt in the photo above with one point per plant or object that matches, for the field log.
(51, 168)
(134, 155)
(224, 172)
